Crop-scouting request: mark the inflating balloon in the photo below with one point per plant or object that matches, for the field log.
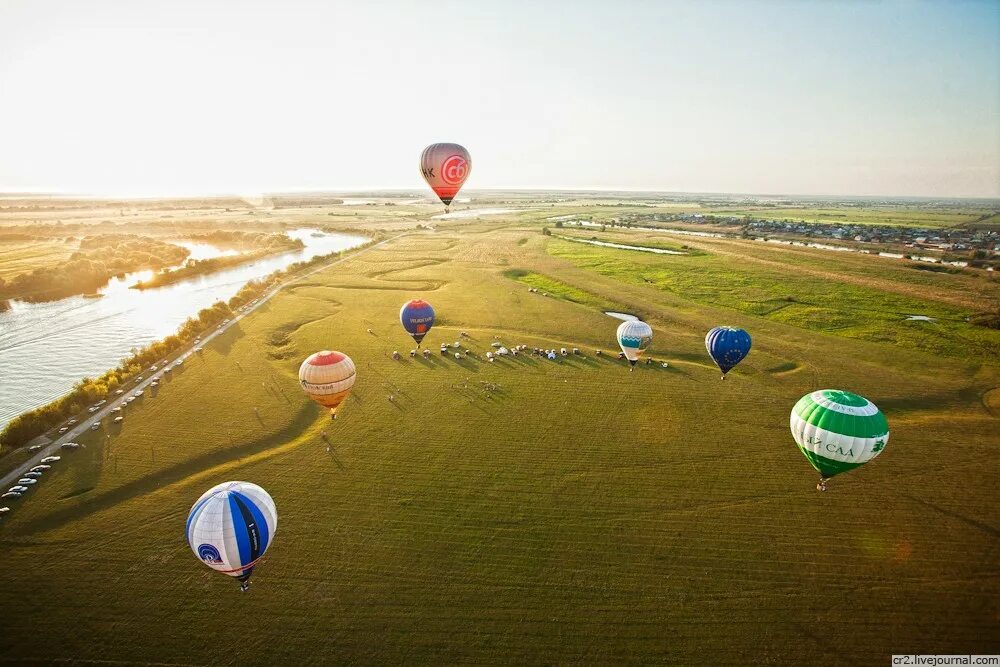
(327, 377)
(838, 431)
(230, 528)
(417, 317)
(727, 346)
(634, 336)
(445, 168)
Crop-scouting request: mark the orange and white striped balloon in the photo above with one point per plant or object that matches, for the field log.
(327, 377)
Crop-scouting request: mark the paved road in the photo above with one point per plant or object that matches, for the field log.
(83, 426)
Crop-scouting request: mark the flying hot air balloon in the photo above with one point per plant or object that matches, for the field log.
(230, 528)
(327, 377)
(417, 317)
(727, 346)
(634, 336)
(445, 168)
(838, 431)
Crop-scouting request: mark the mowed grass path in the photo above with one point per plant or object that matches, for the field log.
(577, 513)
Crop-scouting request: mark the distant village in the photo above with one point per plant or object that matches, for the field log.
(959, 246)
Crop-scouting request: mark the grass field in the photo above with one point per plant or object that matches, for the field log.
(529, 511)
(18, 257)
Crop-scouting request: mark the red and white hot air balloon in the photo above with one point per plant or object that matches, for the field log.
(327, 377)
(445, 168)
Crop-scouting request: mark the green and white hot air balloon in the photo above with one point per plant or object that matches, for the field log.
(838, 431)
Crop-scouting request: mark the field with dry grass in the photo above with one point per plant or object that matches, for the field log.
(534, 511)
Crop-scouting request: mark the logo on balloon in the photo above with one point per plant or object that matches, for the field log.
(454, 169)
(209, 554)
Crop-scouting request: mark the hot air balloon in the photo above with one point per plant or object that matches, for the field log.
(445, 168)
(727, 346)
(327, 378)
(417, 317)
(634, 336)
(230, 528)
(838, 431)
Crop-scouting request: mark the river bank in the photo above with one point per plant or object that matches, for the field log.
(47, 348)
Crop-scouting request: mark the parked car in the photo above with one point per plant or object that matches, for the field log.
(40, 468)
(51, 459)
(11, 494)
(34, 448)
(32, 474)
(74, 445)
(27, 481)
(63, 430)
(93, 427)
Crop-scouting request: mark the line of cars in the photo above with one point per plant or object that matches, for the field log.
(34, 474)
(164, 366)
(31, 477)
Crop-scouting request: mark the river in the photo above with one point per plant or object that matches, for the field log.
(45, 348)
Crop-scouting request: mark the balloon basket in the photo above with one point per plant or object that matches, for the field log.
(244, 586)
(822, 484)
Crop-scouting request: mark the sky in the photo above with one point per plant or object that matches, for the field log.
(155, 97)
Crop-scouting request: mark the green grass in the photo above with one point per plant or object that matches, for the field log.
(647, 242)
(801, 300)
(576, 513)
(550, 287)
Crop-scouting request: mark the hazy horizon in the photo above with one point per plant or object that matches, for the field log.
(465, 193)
(114, 99)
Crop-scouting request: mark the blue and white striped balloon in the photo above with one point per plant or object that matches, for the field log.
(230, 528)
(727, 346)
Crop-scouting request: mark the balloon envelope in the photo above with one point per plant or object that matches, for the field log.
(327, 377)
(634, 336)
(837, 430)
(445, 168)
(417, 317)
(231, 526)
(727, 346)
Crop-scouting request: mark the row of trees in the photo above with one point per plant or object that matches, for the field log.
(97, 260)
(248, 241)
(254, 245)
(26, 427)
